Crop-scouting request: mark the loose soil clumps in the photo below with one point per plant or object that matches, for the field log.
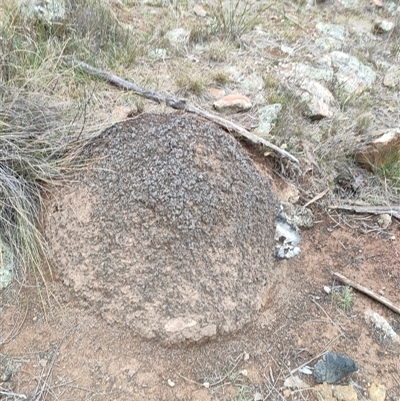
(169, 232)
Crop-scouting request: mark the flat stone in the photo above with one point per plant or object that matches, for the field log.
(324, 392)
(377, 152)
(295, 382)
(351, 74)
(392, 76)
(377, 392)
(267, 116)
(233, 103)
(333, 367)
(344, 393)
(338, 32)
(319, 100)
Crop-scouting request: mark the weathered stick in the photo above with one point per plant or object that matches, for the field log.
(178, 104)
(317, 197)
(392, 210)
(368, 292)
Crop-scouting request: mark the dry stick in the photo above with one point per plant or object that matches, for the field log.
(368, 292)
(178, 104)
(392, 210)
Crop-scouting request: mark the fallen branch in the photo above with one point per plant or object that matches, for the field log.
(368, 292)
(178, 104)
(392, 210)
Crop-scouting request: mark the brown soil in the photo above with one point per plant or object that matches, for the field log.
(71, 352)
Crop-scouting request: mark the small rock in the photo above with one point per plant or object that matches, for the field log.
(319, 100)
(286, 393)
(335, 31)
(324, 392)
(377, 392)
(381, 324)
(177, 36)
(158, 54)
(333, 367)
(233, 103)
(246, 356)
(306, 370)
(344, 393)
(199, 11)
(379, 151)
(295, 382)
(383, 26)
(392, 77)
(267, 116)
(377, 3)
(327, 289)
(171, 383)
(206, 385)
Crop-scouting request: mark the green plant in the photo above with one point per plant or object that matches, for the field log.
(343, 296)
(192, 84)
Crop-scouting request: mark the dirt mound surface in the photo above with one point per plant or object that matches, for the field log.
(170, 232)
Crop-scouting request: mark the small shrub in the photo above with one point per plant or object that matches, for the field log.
(343, 296)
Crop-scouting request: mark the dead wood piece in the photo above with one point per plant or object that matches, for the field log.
(178, 104)
(371, 294)
(392, 210)
(317, 197)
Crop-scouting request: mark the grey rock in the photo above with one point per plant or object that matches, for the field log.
(299, 72)
(177, 36)
(267, 116)
(351, 75)
(338, 32)
(172, 234)
(328, 44)
(45, 11)
(333, 367)
(250, 81)
(158, 54)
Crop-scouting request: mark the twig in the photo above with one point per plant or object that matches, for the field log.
(11, 394)
(316, 197)
(368, 292)
(178, 104)
(392, 210)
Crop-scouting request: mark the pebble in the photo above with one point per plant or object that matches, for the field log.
(377, 392)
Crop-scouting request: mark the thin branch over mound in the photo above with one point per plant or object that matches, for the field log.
(178, 104)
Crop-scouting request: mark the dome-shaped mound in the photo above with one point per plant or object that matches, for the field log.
(170, 232)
